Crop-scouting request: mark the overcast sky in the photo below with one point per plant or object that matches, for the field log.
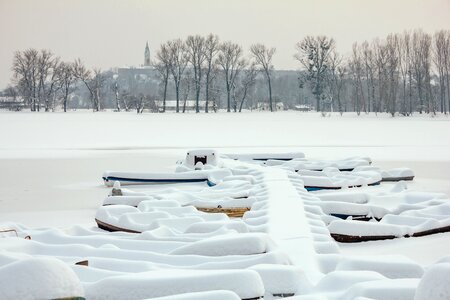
(109, 33)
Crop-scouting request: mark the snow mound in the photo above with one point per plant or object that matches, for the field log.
(283, 280)
(435, 283)
(345, 196)
(393, 266)
(342, 280)
(39, 278)
(352, 209)
(216, 295)
(399, 289)
(358, 228)
(240, 244)
(245, 283)
(205, 227)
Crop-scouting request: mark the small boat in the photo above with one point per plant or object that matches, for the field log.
(391, 175)
(348, 164)
(413, 223)
(133, 178)
(333, 179)
(397, 174)
(266, 156)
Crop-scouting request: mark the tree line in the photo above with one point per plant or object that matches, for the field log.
(205, 58)
(402, 73)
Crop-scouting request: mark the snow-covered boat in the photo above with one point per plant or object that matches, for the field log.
(265, 156)
(333, 179)
(133, 178)
(390, 227)
(392, 175)
(398, 174)
(421, 214)
(233, 195)
(348, 164)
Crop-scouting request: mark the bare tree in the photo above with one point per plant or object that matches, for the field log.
(381, 66)
(47, 66)
(231, 61)
(447, 65)
(215, 88)
(93, 81)
(356, 71)
(186, 84)
(43, 69)
(84, 75)
(67, 81)
(211, 50)
(369, 68)
(336, 77)
(125, 99)
(177, 50)
(392, 44)
(404, 55)
(439, 53)
(98, 82)
(246, 83)
(421, 43)
(263, 58)
(196, 49)
(426, 65)
(53, 85)
(25, 72)
(313, 53)
(116, 90)
(139, 102)
(163, 66)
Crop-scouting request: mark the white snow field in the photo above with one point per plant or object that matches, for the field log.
(166, 244)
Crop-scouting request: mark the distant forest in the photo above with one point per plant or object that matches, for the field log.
(402, 73)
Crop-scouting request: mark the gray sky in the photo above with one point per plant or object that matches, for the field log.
(109, 33)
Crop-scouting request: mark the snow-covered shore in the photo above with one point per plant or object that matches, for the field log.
(52, 178)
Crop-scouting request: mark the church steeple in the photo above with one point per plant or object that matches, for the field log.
(147, 56)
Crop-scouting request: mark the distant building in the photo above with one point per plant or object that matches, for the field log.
(12, 103)
(147, 56)
(136, 73)
(143, 73)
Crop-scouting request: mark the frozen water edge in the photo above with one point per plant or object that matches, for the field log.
(403, 138)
